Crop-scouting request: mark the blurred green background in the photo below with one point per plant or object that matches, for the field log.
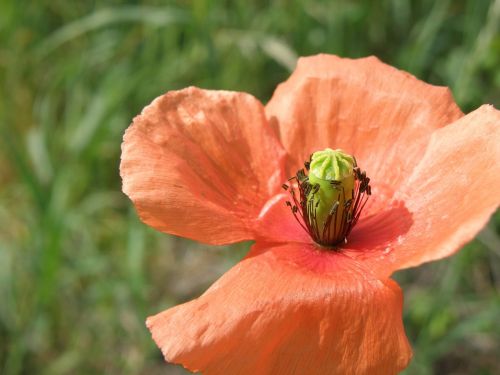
(79, 273)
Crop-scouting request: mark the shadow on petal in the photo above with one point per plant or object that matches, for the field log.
(376, 234)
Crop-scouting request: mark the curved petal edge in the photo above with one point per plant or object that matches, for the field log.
(381, 115)
(201, 164)
(289, 309)
(453, 191)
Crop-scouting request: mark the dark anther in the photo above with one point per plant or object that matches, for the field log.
(301, 175)
(288, 203)
(307, 164)
(284, 186)
(307, 189)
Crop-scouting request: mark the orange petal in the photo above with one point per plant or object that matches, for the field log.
(276, 223)
(201, 164)
(381, 115)
(289, 310)
(452, 192)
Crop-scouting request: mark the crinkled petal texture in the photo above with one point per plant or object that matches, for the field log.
(451, 194)
(208, 166)
(289, 309)
(434, 172)
(201, 164)
(381, 115)
(453, 191)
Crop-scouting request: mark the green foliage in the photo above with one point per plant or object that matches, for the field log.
(79, 273)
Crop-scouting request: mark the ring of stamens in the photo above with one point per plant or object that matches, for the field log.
(341, 217)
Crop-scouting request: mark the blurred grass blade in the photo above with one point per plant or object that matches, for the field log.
(156, 16)
(279, 51)
(37, 149)
(487, 36)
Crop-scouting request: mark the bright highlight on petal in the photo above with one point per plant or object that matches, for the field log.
(454, 189)
(196, 155)
(209, 165)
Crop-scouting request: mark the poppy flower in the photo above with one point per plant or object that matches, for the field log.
(210, 165)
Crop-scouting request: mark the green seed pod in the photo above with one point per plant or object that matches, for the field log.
(333, 171)
(330, 197)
